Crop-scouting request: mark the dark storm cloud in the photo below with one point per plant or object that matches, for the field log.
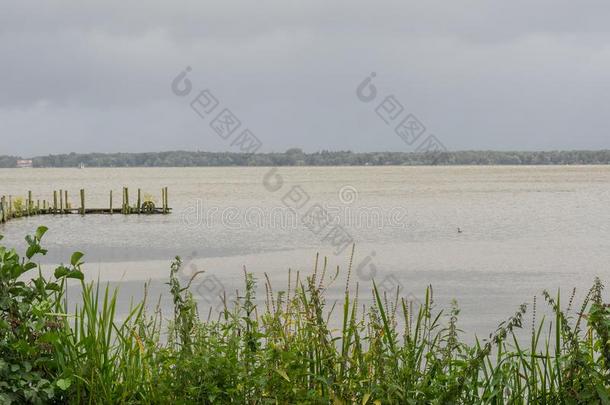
(95, 76)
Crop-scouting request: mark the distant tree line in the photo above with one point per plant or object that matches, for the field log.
(296, 157)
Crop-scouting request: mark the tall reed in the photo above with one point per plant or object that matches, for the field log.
(385, 350)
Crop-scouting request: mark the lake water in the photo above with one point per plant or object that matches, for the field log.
(522, 229)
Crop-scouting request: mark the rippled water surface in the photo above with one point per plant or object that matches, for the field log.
(522, 229)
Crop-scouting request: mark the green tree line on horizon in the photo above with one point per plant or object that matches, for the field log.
(296, 157)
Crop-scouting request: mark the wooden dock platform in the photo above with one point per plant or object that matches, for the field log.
(14, 207)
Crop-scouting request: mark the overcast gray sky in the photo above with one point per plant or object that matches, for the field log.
(95, 76)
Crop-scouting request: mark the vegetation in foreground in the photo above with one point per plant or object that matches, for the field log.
(284, 352)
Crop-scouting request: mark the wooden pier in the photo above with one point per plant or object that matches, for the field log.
(11, 207)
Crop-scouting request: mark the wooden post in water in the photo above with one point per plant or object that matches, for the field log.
(126, 208)
(82, 201)
(139, 201)
(2, 209)
(54, 202)
(111, 211)
(162, 200)
(61, 201)
(166, 202)
(30, 203)
(66, 201)
(37, 207)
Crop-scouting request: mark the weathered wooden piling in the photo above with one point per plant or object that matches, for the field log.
(163, 200)
(126, 209)
(166, 202)
(30, 203)
(82, 201)
(3, 209)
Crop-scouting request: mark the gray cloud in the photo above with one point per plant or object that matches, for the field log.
(481, 75)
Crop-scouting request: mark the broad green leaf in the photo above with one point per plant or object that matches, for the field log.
(61, 271)
(76, 274)
(30, 266)
(32, 250)
(76, 256)
(40, 232)
(53, 287)
(64, 383)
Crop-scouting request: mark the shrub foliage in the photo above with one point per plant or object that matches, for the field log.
(284, 350)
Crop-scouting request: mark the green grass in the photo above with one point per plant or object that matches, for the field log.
(285, 351)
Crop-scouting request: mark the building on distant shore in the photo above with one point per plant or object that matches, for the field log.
(24, 163)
